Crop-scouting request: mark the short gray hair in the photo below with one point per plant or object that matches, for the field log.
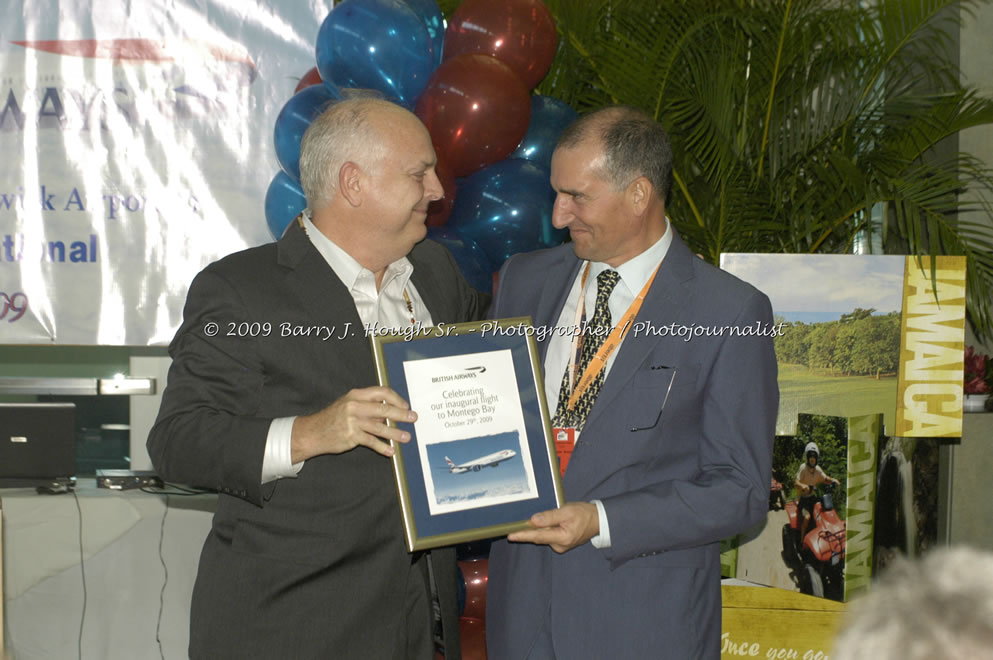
(937, 607)
(634, 145)
(340, 134)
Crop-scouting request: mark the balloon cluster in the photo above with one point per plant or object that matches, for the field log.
(470, 83)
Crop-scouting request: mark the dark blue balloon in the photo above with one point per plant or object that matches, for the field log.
(434, 20)
(549, 117)
(468, 255)
(506, 208)
(376, 44)
(284, 201)
(302, 108)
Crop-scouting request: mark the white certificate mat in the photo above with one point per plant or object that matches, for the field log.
(471, 431)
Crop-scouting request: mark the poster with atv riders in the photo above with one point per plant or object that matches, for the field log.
(866, 334)
(870, 350)
(844, 500)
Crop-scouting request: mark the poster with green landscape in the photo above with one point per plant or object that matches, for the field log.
(839, 345)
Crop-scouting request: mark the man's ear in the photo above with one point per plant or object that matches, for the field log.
(350, 183)
(639, 194)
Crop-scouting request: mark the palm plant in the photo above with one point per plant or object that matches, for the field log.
(797, 125)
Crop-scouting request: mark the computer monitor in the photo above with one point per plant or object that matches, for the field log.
(37, 444)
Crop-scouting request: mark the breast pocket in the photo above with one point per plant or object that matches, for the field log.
(653, 387)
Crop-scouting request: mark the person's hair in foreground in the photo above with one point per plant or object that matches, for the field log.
(934, 608)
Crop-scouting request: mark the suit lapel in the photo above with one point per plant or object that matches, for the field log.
(554, 293)
(322, 296)
(663, 305)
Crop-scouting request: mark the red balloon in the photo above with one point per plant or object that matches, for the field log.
(439, 210)
(475, 572)
(472, 637)
(477, 111)
(520, 33)
(312, 77)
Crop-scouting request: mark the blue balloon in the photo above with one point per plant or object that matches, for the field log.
(376, 44)
(302, 108)
(549, 117)
(468, 255)
(434, 20)
(506, 208)
(284, 201)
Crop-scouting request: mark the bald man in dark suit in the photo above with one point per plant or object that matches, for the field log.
(306, 557)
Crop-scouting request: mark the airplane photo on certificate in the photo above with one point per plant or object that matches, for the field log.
(468, 473)
(490, 460)
(470, 432)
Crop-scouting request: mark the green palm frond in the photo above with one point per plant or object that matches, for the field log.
(791, 120)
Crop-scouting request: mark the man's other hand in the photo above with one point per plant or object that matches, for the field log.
(357, 419)
(561, 529)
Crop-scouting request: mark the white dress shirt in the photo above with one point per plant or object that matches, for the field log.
(385, 308)
(634, 273)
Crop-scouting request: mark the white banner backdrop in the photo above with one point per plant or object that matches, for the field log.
(135, 148)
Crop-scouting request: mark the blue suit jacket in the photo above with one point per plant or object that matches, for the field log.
(674, 479)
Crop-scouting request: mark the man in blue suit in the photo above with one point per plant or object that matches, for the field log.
(667, 421)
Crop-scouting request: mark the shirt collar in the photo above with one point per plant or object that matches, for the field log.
(636, 271)
(348, 270)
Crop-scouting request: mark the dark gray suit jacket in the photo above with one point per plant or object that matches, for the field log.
(674, 480)
(311, 567)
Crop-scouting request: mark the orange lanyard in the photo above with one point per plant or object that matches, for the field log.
(610, 344)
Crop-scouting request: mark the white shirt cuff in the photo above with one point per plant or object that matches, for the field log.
(277, 462)
(601, 540)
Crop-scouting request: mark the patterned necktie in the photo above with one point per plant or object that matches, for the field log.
(595, 334)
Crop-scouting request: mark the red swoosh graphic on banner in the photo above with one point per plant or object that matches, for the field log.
(139, 49)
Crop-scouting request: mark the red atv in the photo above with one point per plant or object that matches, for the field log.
(819, 558)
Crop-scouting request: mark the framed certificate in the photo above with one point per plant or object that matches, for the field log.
(481, 459)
